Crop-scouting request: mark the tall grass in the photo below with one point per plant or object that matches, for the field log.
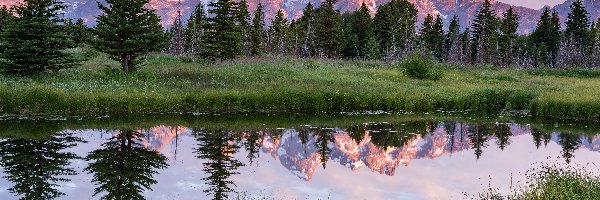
(552, 182)
(180, 84)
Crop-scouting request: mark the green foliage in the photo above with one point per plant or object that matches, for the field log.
(79, 33)
(123, 167)
(244, 23)
(127, 30)
(508, 29)
(432, 36)
(278, 32)
(222, 37)
(34, 41)
(578, 23)
(553, 181)
(258, 31)
(484, 35)
(328, 30)
(547, 36)
(395, 26)
(194, 31)
(418, 67)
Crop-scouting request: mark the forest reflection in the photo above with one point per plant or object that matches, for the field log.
(123, 166)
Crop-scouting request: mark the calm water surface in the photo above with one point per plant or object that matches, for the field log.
(280, 158)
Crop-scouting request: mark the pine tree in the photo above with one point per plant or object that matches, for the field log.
(594, 60)
(243, 21)
(452, 43)
(176, 45)
(194, 31)
(34, 42)
(372, 50)
(546, 36)
(80, 33)
(578, 23)
(278, 32)
(351, 46)
(222, 38)
(432, 36)
(307, 32)
(5, 16)
(328, 30)
(395, 28)
(484, 35)
(258, 31)
(362, 26)
(127, 30)
(508, 28)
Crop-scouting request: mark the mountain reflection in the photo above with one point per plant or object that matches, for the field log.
(123, 168)
(37, 166)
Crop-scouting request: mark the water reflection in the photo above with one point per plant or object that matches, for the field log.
(217, 148)
(123, 168)
(129, 163)
(37, 166)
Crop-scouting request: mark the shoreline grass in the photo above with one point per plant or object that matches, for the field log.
(173, 85)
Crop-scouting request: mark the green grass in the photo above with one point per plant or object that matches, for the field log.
(553, 182)
(172, 85)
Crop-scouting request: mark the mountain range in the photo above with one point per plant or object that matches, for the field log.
(464, 9)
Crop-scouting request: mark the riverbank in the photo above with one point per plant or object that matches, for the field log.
(180, 85)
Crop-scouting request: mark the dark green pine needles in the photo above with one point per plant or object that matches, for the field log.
(127, 30)
(34, 42)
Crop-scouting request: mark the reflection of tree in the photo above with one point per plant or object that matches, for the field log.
(569, 142)
(384, 135)
(36, 165)
(123, 168)
(503, 134)
(478, 137)
(217, 147)
(252, 145)
(356, 132)
(540, 136)
(323, 137)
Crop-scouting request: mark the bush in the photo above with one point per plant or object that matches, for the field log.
(419, 67)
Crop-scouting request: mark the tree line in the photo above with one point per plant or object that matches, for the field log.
(33, 36)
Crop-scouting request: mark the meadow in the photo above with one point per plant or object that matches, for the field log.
(167, 84)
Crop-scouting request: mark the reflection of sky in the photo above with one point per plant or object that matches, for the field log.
(445, 177)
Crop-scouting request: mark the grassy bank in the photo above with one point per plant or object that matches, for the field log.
(553, 181)
(169, 84)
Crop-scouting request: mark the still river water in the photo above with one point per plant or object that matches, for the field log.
(279, 156)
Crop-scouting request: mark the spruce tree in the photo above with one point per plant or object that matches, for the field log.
(546, 37)
(451, 42)
(508, 28)
(328, 30)
(222, 38)
(5, 16)
(278, 31)
(194, 31)
(362, 26)
(350, 50)
(484, 35)
(578, 23)
(34, 41)
(243, 21)
(437, 38)
(80, 33)
(127, 30)
(306, 32)
(395, 28)
(258, 31)
(176, 45)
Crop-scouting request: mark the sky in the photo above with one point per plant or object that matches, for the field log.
(535, 4)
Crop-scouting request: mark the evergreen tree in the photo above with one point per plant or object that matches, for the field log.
(306, 32)
(5, 16)
(80, 33)
(484, 35)
(395, 28)
(127, 30)
(328, 30)
(432, 36)
(578, 23)
(452, 41)
(258, 31)
(508, 28)
(34, 42)
(194, 31)
(176, 46)
(546, 36)
(123, 167)
(351, 47)
(362, 26)
(222, 38)
(37, 166)
(243, 21)
(278, 31)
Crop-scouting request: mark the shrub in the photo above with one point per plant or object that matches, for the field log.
(419, 67)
